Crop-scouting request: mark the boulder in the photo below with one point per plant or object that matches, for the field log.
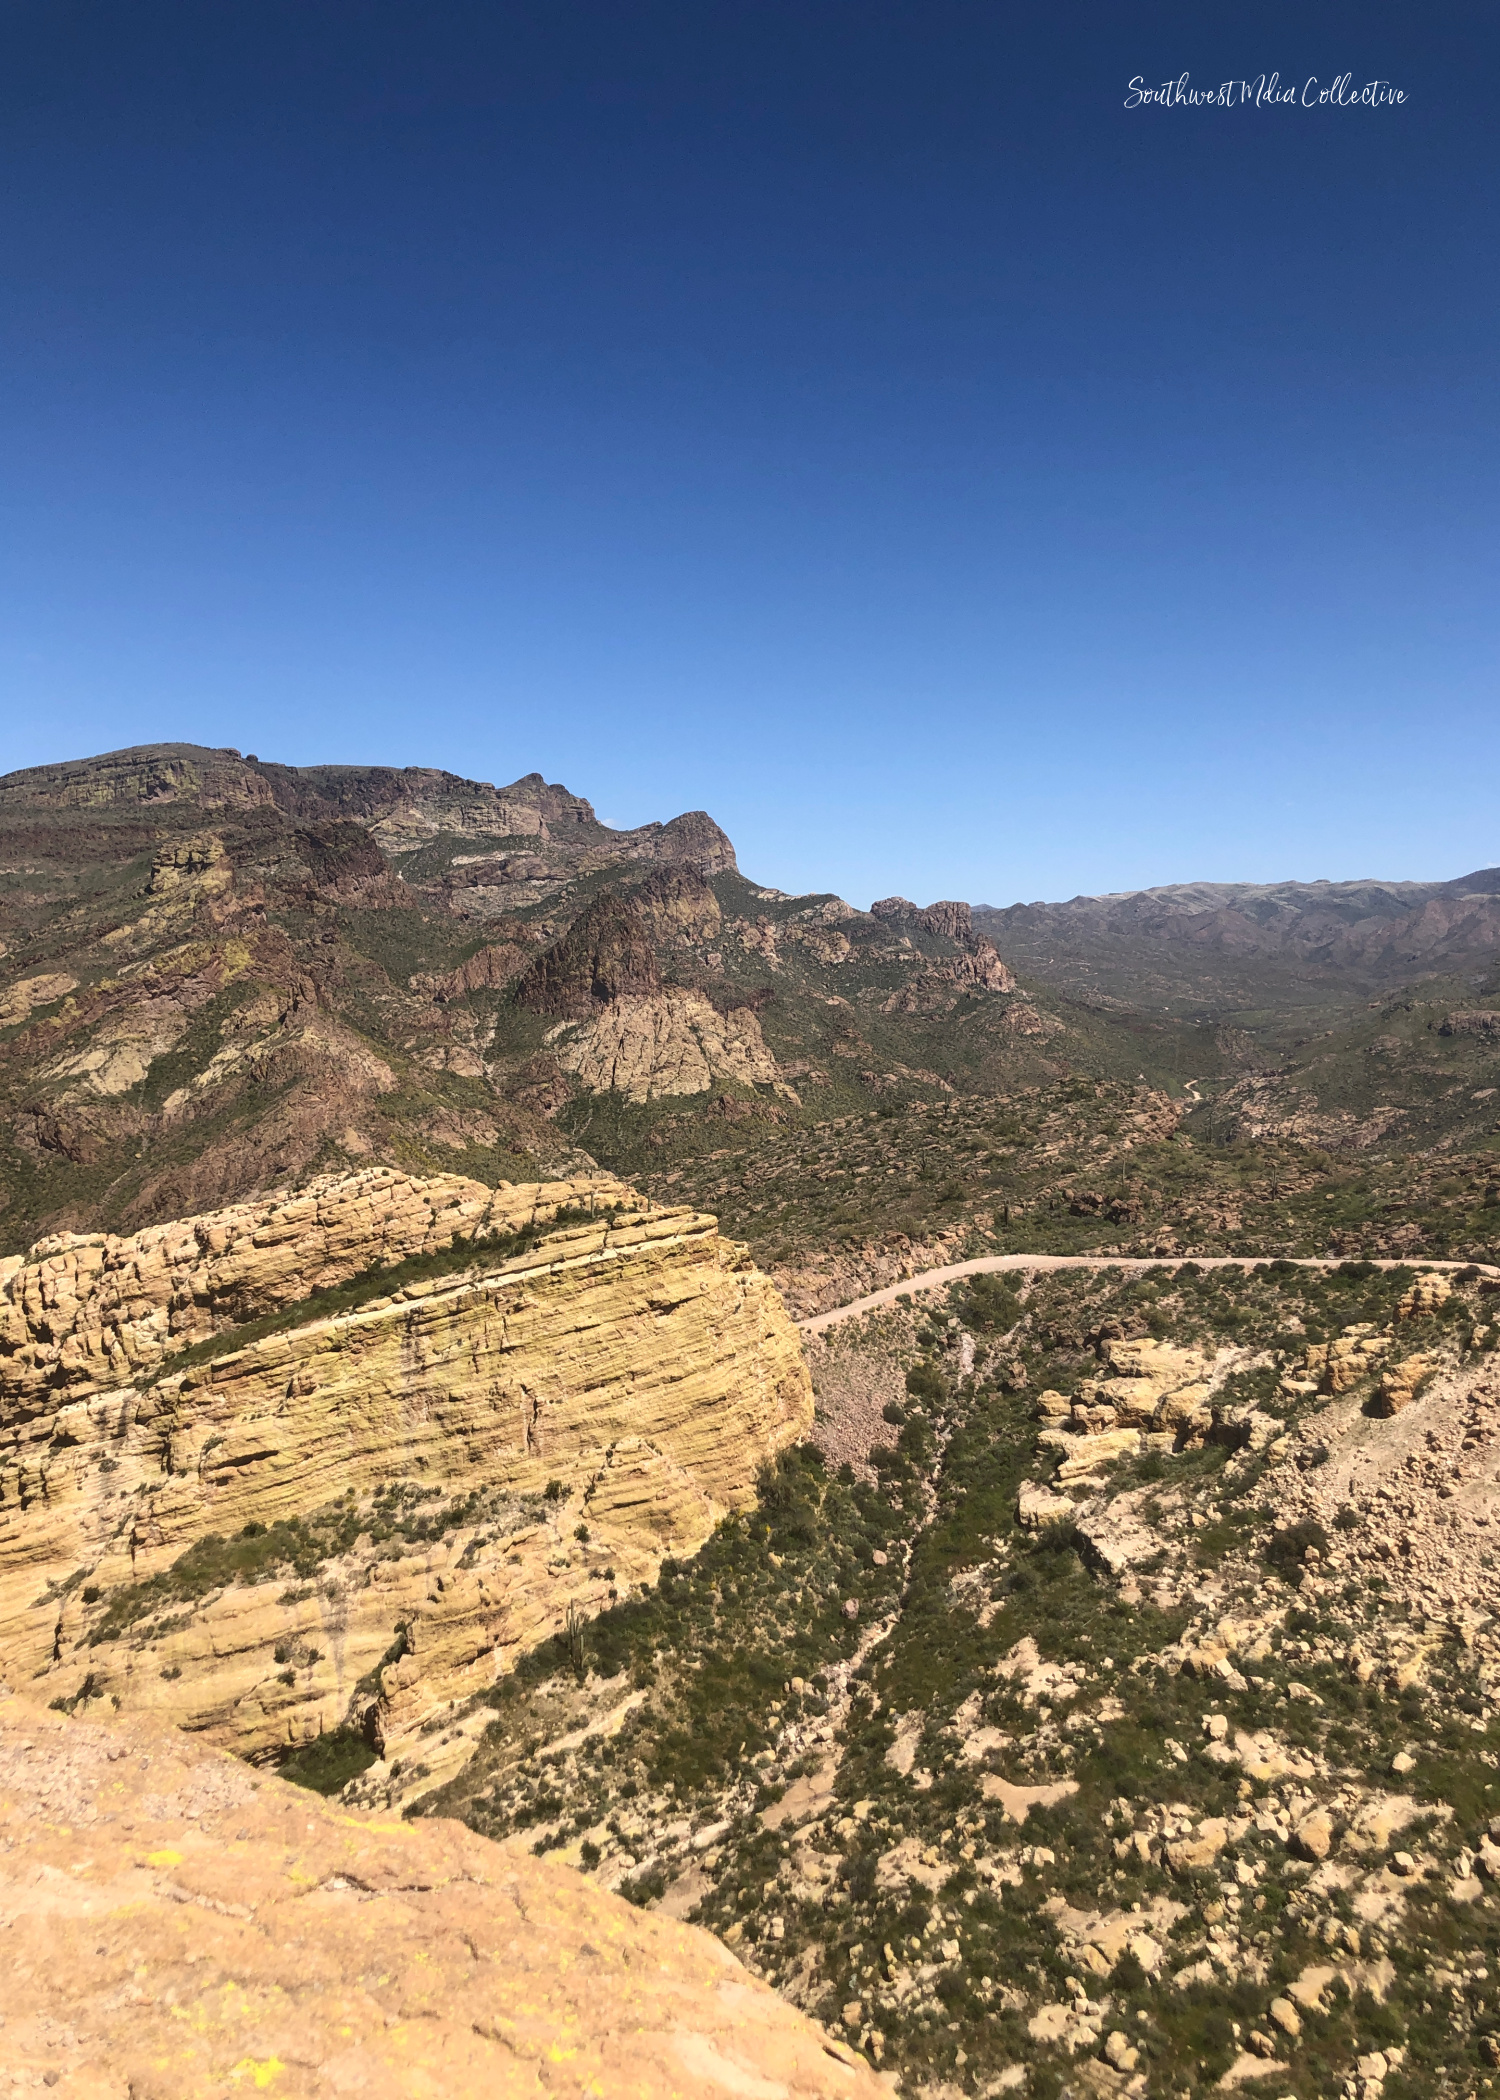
(1191, 1855)
(1037, 1505)
(1096, 1452)
(1312, 1838)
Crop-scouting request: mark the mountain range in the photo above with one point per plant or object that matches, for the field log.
(221, 974)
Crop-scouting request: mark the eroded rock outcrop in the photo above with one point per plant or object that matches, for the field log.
(672, 1042)
(180, 1925)
(266, 1513)
(80, 1312)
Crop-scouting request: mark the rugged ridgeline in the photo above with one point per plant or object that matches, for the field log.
(1205, 940)
(177, 1925)
(219, 975)
(336, 1460)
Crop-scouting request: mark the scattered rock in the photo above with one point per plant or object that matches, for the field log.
(1190, 1855)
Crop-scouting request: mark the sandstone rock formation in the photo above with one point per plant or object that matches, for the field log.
(179, 1925)
(218, 1520)
(1149, 1385)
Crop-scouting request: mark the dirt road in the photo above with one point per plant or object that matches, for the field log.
(1036, 1264)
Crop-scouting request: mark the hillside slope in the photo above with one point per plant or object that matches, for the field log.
(1108, 1705)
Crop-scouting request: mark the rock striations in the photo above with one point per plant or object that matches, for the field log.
(179, 1925)
(340, 1457)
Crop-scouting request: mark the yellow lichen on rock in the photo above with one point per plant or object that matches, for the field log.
(633, 1365)
(17, 1003)
(293, 1948)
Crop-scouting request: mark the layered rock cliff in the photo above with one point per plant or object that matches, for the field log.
(179, 1925)
(341, 1457)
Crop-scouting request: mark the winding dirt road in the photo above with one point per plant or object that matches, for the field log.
(1037, 1264)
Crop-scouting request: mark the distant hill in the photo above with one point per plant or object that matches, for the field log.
(219, 975)
(1235, 944)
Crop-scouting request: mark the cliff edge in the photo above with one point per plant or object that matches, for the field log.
(338, 1458)
(179, 1924)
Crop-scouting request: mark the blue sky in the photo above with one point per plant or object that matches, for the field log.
(849, 419)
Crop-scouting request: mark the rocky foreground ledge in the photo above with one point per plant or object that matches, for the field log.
(178, 1924)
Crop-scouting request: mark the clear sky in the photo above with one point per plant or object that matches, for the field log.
(843, 416)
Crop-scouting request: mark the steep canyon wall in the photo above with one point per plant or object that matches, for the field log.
(266, 1513)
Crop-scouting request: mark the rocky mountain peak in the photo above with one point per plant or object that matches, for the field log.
(948, 919)
(696, 839)
(606, 954)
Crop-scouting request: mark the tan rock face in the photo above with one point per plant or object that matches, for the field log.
(21, 999)
(84, 1312)
(667, 1043)
(124, 1048)
(1352, 1356)
(1150, 1384)
(180, 1925)
(1400, 1384)
(635, 1366)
